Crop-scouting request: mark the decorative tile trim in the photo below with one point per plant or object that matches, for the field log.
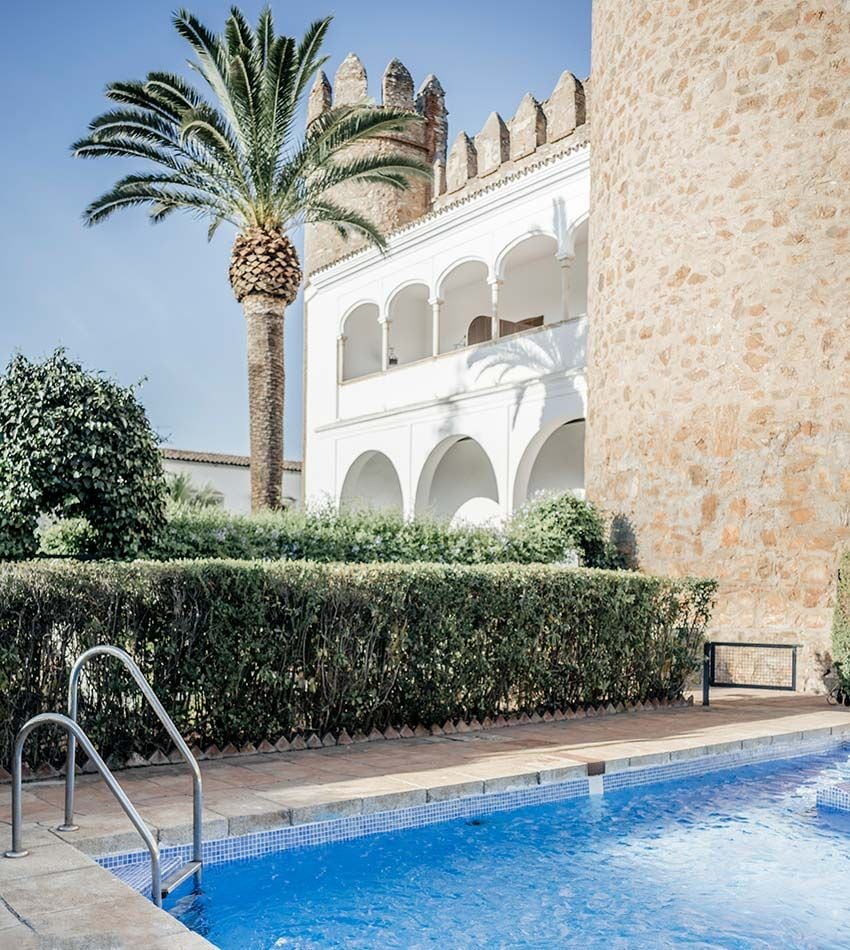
(134, 867)
(834, 797)
(702, 765)
(302, 740)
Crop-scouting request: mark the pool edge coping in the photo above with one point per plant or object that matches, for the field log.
(449, 802)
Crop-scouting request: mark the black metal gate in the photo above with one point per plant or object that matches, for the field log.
(749, 666)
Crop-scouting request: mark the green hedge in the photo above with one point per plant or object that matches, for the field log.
(550, 530)
(246, 651)
(841, 624)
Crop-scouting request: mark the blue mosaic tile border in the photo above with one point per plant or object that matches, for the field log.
(834, 797)
(702, 765)
(134, 867)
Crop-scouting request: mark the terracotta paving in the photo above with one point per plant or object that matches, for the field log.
(252, 793)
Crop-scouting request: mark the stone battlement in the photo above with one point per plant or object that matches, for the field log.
(389, 208)
(537, 131)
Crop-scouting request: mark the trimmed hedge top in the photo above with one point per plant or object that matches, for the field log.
(549, 530)
(246, 651)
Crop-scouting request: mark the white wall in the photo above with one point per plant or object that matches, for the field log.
(362, 342)
(508, 394)
(233, 481)
(532, 289)
(466, 295)
(410, 324)
(464, 472)
(559, 465)
(372, 482)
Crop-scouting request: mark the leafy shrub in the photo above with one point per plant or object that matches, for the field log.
(551, 527)
(75, 444)
(841, 624)
(249, 651)
(547, 531)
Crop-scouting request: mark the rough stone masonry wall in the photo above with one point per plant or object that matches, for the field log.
(719, 364)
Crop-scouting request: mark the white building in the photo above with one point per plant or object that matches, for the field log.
(448, 376)
(230, 475)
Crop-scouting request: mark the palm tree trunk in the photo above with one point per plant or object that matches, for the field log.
(264, 320)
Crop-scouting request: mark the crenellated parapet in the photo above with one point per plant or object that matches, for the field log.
(426, 140)
(538, 130)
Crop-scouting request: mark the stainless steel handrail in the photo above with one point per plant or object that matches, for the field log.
(164, 718)
(74, 731)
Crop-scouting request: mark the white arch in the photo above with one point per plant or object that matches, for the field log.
(356, 306)
(361, 345)
(450, 268)
(528, 234)
(400, 288)
(531, 454)
(441, 491)
(372, 482)
(410, 317)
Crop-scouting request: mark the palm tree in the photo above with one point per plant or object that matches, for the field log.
(234, 156)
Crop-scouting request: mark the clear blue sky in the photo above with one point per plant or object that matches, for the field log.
(138, 301)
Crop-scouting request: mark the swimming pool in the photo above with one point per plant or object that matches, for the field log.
(734, 858)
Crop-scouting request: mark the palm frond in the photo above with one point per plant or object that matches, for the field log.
(227, 150)
(172, 91)
(344, 220)
(309, 59)
(394, 170)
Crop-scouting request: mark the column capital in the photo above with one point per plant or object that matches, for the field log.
(495, 281)
(341, 338)
(567, 259)
(436, 301)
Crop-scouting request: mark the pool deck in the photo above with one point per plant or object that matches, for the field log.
(59, 892)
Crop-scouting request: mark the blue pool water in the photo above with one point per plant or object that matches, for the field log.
(738, 858)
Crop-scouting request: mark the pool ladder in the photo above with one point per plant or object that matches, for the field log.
(159, 888)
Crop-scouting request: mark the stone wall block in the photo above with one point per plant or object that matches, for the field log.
(528, 128)
(350, 83)
(397, 86)
(462, 163)
(564, 109)
(321, 97)
(492, 145)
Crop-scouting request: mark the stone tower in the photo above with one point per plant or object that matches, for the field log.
(387, 207)
(719, 364)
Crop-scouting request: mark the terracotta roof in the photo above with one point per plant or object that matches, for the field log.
(218, 458)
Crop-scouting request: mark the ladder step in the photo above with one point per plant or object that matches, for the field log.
(176, 878)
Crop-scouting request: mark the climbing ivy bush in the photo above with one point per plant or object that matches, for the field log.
(75, 444)
(245, 651)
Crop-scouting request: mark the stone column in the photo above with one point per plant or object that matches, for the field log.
(385, 343)
(495, 284)
(566, 261)
(340, 358)
(436, 305)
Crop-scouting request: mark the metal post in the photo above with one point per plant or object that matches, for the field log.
(73, 730)
(706, 672)
(164, 718)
